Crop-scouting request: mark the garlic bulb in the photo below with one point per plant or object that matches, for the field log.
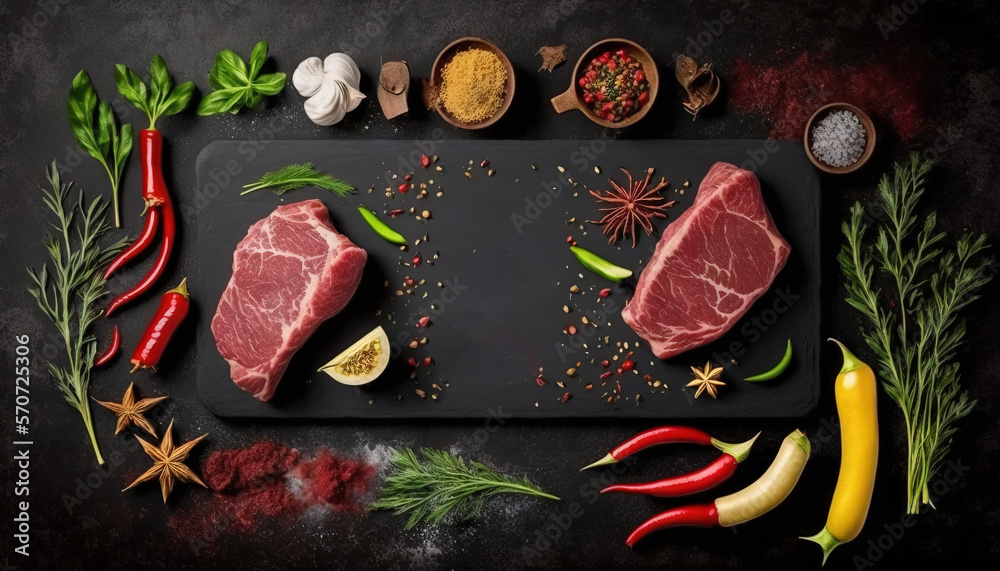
(331, 86)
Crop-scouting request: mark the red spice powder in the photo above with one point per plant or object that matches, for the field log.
(789, 94)
(268, 480)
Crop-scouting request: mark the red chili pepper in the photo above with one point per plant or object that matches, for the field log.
(706, 515)
(691, 483)
(166, 248)
(157, 203)
(654, 436)
(112, 350)
(145, 240)
(173, 308)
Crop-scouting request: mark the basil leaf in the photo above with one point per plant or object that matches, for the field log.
(131, 87)
(220, 100)
(106, 127)
(179, 99)
(257, 58)
(159, 83)
(269, 84)
(231, 63)
(222, 78)
(124, 148)
(80, 106)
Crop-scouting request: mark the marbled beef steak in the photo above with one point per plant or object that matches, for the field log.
(291, 272)
(709, 267)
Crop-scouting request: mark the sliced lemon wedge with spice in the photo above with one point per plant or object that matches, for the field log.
(362, 362)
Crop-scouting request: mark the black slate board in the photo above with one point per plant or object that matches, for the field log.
(507, 273)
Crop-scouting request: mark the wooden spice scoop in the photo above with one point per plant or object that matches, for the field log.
(393, 85)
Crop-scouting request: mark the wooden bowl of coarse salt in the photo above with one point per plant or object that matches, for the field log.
(839, 138)
(465, 113)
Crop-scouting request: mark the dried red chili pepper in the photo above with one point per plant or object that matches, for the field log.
(112, 350)
(700, 480)
(173, 308)
(425, 161)
(157, 203)
(654, 436)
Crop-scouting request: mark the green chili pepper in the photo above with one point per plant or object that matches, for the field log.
(599, 265)
(381, 228)
(777, 369)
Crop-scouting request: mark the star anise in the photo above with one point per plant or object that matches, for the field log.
(168, 463)
(707, 380)
(632, 205)
(130, 412)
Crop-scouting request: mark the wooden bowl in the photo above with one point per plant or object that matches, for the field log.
(866, 124)
(572, 98)
(447, 54)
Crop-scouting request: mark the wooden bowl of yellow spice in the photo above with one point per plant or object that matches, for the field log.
(472, 83)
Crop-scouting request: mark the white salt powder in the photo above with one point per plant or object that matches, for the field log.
(839, 139)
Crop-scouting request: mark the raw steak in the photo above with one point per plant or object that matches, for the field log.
(709, 267)
(291, 272)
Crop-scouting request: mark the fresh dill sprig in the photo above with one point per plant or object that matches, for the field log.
(443, 484)
(916, 341)
(69, 295)
(294, 177)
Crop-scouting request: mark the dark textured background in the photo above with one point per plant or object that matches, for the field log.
(957, 43)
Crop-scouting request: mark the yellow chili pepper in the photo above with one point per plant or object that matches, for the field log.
(856, 404)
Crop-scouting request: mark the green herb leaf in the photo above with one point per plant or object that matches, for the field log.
(917, 341)
(270, 83)
(443, 485)
(131, 87)
(297, 176)
(81, 105)
(237, 86)
(159, 83)
(257, 58)
(178, 100)
(104, 144)
(160, 100)
(220, 101)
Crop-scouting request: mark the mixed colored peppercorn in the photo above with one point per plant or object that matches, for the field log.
(614, 86)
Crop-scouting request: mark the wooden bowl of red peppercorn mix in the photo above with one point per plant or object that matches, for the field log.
(614, 84)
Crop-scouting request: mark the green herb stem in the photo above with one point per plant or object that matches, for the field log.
(70, 294)
(915, 342)
(442, 485)
(294, 177)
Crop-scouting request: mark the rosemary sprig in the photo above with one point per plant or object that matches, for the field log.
(917, 341)
(69, 295)
(443, 484)
(294, 177)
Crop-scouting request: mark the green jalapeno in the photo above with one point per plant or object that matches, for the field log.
(381, 228)
(777, 369)
(599, 265)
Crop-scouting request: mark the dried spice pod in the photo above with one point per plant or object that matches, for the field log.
(552, 56)
(394, 83)
(699, 82)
